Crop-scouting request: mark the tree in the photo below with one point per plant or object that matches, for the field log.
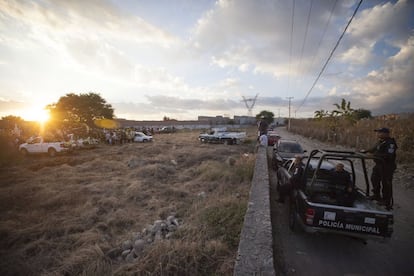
(266, 115)
(344, 109)
(10, 122)
(80, 109)
(319, 114)
(362, 114)
(165, 118)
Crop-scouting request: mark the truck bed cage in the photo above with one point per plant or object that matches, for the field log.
(338, 155)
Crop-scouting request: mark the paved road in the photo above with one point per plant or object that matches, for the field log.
(323, 254)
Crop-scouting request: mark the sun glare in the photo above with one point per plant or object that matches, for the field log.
(39, 115)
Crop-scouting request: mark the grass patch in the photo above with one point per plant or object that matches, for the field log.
(223, 221)
(65, 215)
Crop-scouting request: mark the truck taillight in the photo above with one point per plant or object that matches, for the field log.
(309, 215)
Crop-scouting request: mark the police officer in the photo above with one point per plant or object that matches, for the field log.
(294, 181)
(383, 171)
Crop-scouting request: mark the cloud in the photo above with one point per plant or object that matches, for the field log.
(388, 19)
(178, 108)
(240, 33)
(235, 48)
(88, 34)
(356, 55)
(78, 18)
(391, 88)
(177, 103)
(8, 107)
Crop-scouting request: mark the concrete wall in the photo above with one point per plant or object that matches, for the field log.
(255, 253)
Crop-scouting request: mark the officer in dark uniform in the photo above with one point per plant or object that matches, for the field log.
(294, 181)
(383, 170)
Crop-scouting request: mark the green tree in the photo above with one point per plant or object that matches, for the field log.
(80, 109)
(344, 109)
(268, 116)
(319, 114)
(362, 114)
(165, 118)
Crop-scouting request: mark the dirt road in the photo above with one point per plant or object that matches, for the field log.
(323, 254)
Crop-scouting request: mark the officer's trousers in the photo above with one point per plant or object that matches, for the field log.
(381, 180)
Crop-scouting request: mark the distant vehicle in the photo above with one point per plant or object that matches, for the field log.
(142, 137)
(167, 129)
(37, 145)
(272, 138)
(285, 149)
(315, 207)
(222, 136)
(86, 143)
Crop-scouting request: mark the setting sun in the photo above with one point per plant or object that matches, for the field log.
(40, 115)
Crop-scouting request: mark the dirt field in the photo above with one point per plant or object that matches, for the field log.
(83, 213)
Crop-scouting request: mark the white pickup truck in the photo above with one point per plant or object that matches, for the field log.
(37, 145)
(222, 136)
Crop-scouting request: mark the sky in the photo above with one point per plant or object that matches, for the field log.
(188, 58)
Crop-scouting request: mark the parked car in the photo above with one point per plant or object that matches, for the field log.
(167, 129)
(142, 137)
(272, 138)
(283, 150)
(222, 136)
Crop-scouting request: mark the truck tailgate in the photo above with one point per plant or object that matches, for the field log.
(352, 220)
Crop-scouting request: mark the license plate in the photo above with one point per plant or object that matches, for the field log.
(369, 220)
(329, 215)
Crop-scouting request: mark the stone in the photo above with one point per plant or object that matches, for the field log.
(126, 245)
(139, 246)
(125, 253)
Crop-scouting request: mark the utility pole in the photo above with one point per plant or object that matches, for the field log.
(289, 98)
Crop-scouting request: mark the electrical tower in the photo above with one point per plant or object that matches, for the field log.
(250, 102)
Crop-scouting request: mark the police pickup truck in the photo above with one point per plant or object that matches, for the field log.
(314, 206)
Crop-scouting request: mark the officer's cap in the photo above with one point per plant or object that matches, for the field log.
(382, 130)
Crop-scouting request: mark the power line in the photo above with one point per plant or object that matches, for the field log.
(306, 35)
(330, 56)
(323, 34)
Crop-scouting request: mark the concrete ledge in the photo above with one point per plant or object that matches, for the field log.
(255, 253)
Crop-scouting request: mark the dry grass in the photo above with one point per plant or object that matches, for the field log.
(69, 215)
(360, 135)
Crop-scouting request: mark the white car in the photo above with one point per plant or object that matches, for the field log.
(142, 137)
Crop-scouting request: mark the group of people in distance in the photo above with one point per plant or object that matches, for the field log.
(384, 152)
